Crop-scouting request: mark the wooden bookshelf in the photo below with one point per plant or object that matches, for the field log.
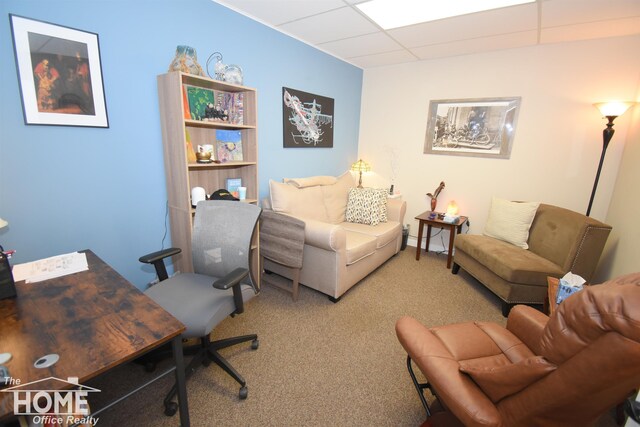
(182, 175)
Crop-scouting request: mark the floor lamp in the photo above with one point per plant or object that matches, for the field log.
(610, 110)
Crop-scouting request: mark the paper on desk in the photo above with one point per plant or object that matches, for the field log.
(49, 268)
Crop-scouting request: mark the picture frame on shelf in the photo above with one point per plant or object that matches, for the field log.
(479, 127)
(232, 186)
(59, 74)
(229, 146)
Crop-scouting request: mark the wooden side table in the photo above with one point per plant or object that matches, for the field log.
(454, 228)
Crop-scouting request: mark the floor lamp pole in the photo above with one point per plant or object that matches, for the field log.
(607, 134)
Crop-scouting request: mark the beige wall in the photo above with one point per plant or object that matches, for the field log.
(558, 138)
(622, 254)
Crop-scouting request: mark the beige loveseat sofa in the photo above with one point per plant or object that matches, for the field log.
(560, 241)
(337, 254)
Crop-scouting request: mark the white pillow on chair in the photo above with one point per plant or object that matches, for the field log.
(510, 221)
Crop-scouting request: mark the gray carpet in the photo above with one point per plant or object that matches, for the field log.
(319, 363)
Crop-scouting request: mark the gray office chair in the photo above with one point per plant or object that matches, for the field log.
(220, 285)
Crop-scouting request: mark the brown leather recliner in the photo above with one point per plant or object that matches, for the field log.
(563, 370)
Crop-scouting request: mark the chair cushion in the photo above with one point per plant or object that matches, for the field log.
(510, 221)
(359, 246)
(192, 299)
(499, 380)
(511, 263)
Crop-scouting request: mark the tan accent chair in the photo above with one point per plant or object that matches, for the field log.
(564, 370)
(560, 241)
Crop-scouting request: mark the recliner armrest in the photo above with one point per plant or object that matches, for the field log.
(527, 324)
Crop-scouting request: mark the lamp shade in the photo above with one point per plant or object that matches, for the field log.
(360, 166)
(613, 108)
(452, 208)
(3, 223)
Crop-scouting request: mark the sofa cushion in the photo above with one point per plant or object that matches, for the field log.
(359, 246)
(385, 232)
(304, 202)
(510, 221)
(510, 262)
(311, 181)
(366, 206)
(499, 382)
(335, 197)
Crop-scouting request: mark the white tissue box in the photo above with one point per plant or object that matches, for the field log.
(569, 285)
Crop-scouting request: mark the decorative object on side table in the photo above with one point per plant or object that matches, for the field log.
(62, 83)
(360, 166)
(186, 60)
(7, 284)
(610, 110)
(434, 196)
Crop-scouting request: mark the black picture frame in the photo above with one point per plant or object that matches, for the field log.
(59, 73)
(307, 119)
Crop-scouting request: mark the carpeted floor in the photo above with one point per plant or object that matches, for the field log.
(319, 363)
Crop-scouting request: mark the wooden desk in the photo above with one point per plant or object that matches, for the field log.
(94, 320)
(454, 228)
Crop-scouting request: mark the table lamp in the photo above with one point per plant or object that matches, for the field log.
(360, 166)
(7, 284)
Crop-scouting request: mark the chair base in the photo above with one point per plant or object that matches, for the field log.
(208, 352)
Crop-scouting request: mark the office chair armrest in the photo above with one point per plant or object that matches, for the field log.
(159, 255)
(231, 279)
(156, 258)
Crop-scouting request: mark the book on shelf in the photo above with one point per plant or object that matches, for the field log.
(233, 184)
(229, 145)
(214, 105)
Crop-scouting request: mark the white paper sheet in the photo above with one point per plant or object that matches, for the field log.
(49, 268)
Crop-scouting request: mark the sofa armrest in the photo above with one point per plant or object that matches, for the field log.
(396, 208)
(527, 324)
(323, 235)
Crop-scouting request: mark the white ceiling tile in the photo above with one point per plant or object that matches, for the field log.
(563, 12)
(499, 21)
(592, 30)
(381, 59)
(334, 25)
(278, 12)
(483, 44)
(362, 45)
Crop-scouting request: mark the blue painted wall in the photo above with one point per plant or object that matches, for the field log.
(68, 188)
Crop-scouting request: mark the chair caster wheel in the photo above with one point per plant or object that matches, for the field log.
(206, 362)
(244, 392)
(255, 344)
(170, 409)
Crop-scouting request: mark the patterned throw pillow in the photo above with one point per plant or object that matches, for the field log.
(367, 206)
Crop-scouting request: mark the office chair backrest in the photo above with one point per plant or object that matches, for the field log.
(222, 235)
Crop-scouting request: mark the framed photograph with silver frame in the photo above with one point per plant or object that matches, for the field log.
(480, 127)
(60, 74)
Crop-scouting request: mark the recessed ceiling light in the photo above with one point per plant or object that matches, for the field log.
(399, 13)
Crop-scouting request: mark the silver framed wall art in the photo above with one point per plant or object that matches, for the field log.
(60, 74)
(480, 127)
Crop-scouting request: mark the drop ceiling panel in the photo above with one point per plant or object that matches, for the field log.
(281, 11)
(484, 44)
(334, 25)
(499, 21)
(388, 58)
(592, 30)
(362, 45)
(564, 12)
